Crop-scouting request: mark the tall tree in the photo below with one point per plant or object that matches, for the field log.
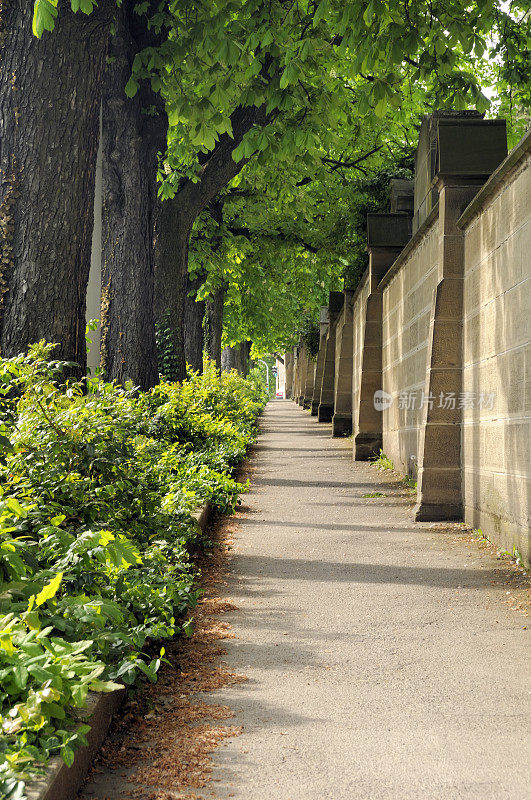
(269, 80)
(134, 132)
(213, 323)
(171, 275)
(50, 92)
(194, 312)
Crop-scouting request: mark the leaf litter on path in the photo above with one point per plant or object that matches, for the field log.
(160, 745)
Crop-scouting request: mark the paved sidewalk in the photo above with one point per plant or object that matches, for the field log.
(382, 662)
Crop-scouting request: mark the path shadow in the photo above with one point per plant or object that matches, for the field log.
(326, 526)
(345, 572)
(321, 484)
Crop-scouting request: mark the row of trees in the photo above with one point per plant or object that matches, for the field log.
(242, 142)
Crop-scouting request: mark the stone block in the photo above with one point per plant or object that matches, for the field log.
(439, 495)
(471, 338)
(442, 445)
(517, 257)
(518, 445)
(473, 244)
(369, 417)
(449, 299)
(325, 412)
(341, 425)
(472, 290)
(440, 485)
(451, 256)
(470, 147)
(367, 446)
(446, 344)
(477, 486)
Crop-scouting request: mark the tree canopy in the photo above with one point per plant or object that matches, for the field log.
(286, 120)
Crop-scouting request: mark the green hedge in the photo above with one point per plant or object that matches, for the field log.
(97, 488)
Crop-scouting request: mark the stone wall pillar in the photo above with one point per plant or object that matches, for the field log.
(326, 400)
(386, 236)
(319, 367)
(342, 419)
(439, 494)
(310, 381)
(288, 362)
(296, 370)
(368, 418)
(303, 358)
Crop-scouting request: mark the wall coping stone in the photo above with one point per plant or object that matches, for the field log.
(488, 188)
(410, 246)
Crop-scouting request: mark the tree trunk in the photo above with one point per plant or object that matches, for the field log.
(194, 311)
(237, 358)
(171, 277)
(131, 142)
(176, 226)
(229, 358)
(245, 352)
(214, 325)
(50, 93)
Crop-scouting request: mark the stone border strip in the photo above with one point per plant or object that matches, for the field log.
(61, 782)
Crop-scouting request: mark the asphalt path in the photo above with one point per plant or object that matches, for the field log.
(382, 659)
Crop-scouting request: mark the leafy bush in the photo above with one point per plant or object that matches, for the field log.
(97, 490)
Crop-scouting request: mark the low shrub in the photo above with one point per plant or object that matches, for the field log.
(97, 490)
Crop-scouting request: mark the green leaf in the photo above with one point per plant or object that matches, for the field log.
(79, 694)
(14, 506)
(44, 14)
(50, 590)
(368, 15)
(105, 686)
(67, 755)
(5, 443)
(131, 87)
(54, 710)
(321, 12)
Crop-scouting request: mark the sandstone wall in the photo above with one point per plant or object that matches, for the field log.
(496, 447)
(407, 303)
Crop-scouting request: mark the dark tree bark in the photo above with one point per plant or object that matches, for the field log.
(214, 325)
(194, 312)
(237, 358)
(50, 93)
(245, 355)
(171, 276)
(229, 358)
(131, 142)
